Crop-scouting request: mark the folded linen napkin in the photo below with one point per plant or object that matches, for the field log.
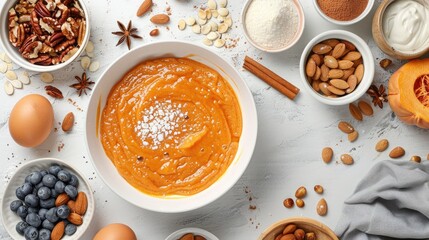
(391, 202)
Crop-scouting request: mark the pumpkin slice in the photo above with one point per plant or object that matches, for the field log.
(409, 93)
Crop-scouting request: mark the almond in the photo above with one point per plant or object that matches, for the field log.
(75, 218)
(144, 7)
(324, 73)
(322, 207)
(154, 32)
(331, 42)
(352, 56)
(81, 203)
(347, 159)
(317, 59)
(339, 83)
(345, 127)
(416, 159)
(356, 113)
(289, 236)
(310, 69)
(335, 73)
(58, 231)
(382, 145)
(327, 154)
(72, 205)
(68, 122)
(62, 199)
(353, 136)
(188, 236)
(299, 234)
(301, 192)
(397, 152)
(321, 48)
(160, 19)
(338, 50)
(330, 62)
(349, 45)
(290, 228)
(345, 64)
(365, 108)
(336, 91)
(359, 72)
(352, 82)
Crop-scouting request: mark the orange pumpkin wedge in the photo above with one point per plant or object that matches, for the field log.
(409, 93)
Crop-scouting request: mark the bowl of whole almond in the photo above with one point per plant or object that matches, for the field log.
(47, 199)
(337, 67)
(44, 35)
(298, 228)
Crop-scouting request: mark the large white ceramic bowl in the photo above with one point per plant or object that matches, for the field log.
(368, 62)
(10, 219)
(105, 167)
(16, 56)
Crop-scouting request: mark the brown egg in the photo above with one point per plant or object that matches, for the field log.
(115, 231)
(31, 120)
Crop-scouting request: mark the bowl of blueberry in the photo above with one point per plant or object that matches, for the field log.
(47, 199)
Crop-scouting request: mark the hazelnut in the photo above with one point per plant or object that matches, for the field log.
(385, 63)
(299, 234)
(416, 159)
(300, 203)
(288, 203)
(318, 189)
(310, 236)
(301, 192)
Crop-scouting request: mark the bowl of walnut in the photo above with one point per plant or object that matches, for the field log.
(298, 228)
(44, 35)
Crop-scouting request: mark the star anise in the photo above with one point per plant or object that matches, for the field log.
(378, 95)
(82, 85)
(126, 34)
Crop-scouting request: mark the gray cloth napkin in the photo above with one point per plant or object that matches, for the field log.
(391, 202)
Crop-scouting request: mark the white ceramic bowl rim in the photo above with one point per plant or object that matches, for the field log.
(196, 231)
(15, 55)
(297, 36)
(350, 22)
(10, 219)
(107, 170)
(368, 62)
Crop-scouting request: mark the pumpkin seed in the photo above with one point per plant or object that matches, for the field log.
(223, 27)
(196, 29)
(202, 14)
(16, 84)
(46, 77)
(207, 42)
(94, 66)
(206, 29)
(222, 3)
(24, 78)
(89, 47)
(3, 67)
(213, 36)
(215, 14)
(85, 62)
(190, 21)
(8, 88)
(219, 43)
(11, 75)
(212, 4)
(223, 12)
(228, 21)
(181, 24)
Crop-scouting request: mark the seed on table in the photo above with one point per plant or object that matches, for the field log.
(353, 136)
(345, 127)
(301, 192)
(223, 12)
(11, 75)
(207, 42)
(300, 203)
(205, 29)
(397, 152)
(355, 112)
(46, 77)
(222, 3)
(365, 108)
(322, 207)
(318, 189)
(228, 21)
(181, 24)
(219, 43)
(89, 47)
(212, 4)
(416, 159)
(85, 62)
(222, 28)
(288, 203)
(382, 145)
(213, 36)
(94, 66)
(9, 89)
(327, 154)
(202, 14)
(190, 21)
(347, 159)
(196, 29)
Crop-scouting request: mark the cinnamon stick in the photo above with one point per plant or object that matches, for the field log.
(273, 83)
(271, 74)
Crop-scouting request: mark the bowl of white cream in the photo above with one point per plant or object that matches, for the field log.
(401, 28)
(273, 26)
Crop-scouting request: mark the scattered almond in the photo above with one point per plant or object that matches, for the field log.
(385, 63)
(68, 122)
(81, 204)
(61, 199)
(397, 152)
(345, 127)
(58, 231)
(300, 203)
(322, 207)
(318, 189)
(160, 19)
(353, 136)
(365, 108)
(288, 203)
(75, 218)
(416, 159)
(347, 159)
(154, 32)
(327, 154)
(356, 113)
(301, 192)
(382, 145)
(144, 7)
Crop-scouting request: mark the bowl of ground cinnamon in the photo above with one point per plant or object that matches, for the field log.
(343, 12)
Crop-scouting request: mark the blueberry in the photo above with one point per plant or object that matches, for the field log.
(22, 211)
(71, 191)
(64, 175)
(35, 177)
(48, 203)
(63, 211)
(54, 169)
(47, 224)
(51, 215)
(44, 234)
(74, 181)
(31, 200)
(44, 172)
(14, 205)
(20, 227)
(59, 186)
(31, 233)
(44, 193)
(24, 190)
(70, 229)
(49, 180)
(33, 210)
(39, 185)
(54, 194)
(27, 179)
(33, 219)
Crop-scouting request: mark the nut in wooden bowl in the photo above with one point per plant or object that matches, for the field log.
(308, 225)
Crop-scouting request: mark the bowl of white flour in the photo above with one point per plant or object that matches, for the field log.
(273, 26)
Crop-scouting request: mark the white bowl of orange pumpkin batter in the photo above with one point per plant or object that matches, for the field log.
(171, 126)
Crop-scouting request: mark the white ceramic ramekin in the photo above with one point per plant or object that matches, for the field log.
(353, 21)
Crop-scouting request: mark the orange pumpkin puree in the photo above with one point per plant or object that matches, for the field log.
(171, 126)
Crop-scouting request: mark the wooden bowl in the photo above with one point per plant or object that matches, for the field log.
(322, 231)
(380, 40)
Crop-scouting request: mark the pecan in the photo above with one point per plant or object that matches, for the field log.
(27, 28)
(67, 2)
(75, 24)
(42, 58)
(82, 31)
(12, 17)
(56, 60)
(53, 92)
(21, 8)
(67, 31)
(55, 39)
(46, 27)
(26, 42)
(46, 49)
(20, 35)
(41, 9)
(32, 50)
(53, 23)
(74, 12)
(24, 18)
(35, 24)
(64, 15)
(68, 53)
(51, 5)
(63, 45)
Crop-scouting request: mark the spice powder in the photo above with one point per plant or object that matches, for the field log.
(342, 10)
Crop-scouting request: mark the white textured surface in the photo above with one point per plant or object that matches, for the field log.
(290, 138)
